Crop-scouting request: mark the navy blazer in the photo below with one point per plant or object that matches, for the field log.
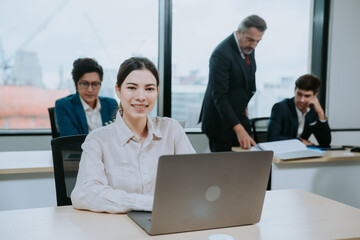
(284, 124)
(230, 88)
(70, 115)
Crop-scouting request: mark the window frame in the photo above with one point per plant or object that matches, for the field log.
(318, 47)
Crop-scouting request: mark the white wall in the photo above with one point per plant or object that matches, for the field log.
(343, 93)
(25, 143)
(28, 143)
(346, 138)
(27, 190)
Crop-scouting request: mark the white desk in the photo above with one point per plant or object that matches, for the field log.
(25, 162)
(26, 180)
(336, 175)
(287, 214)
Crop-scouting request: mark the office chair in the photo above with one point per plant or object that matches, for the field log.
(54, 130)
(66, 153)
(259, 129)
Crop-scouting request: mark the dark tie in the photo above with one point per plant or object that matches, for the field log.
(247, 59)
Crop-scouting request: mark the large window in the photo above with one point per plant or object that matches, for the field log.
(39, 40)
(282, 56)
(39, 44)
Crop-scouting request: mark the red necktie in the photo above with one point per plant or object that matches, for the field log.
(247, 59)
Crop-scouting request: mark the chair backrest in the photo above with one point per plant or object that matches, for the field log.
(66, 153)
(54, 130)
(260, 126)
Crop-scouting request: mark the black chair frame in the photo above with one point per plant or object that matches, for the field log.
(54, 130)
(255, 130)
(57, 145)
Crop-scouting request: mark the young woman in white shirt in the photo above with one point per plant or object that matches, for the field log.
(119, 162)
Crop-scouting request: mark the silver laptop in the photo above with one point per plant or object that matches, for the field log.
(204, 191)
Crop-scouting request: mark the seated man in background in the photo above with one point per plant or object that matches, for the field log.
(300, 116)
(84, 111)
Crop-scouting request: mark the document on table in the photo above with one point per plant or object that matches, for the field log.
(289, 149)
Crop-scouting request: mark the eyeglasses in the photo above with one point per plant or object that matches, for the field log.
(85, 85)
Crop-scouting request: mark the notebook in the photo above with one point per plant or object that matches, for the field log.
(290, 149)
(205, 191)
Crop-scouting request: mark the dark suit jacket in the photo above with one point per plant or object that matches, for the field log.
(230, 88)
(284, 124)
(70, 115)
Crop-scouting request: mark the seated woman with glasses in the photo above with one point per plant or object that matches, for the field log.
(118, 165)
(84, 111)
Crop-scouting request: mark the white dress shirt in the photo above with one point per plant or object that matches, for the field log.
(301, 120)
(117, 173)
(93, 116)
(238, 45)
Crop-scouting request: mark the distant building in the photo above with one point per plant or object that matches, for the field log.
(26, 70)
(108, 84)
(20, 111)
(186, 103)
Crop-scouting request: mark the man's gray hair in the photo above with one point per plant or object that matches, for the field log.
(253, 21)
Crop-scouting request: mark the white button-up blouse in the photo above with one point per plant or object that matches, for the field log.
(117, 173)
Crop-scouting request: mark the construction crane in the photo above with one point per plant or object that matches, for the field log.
(5, 62)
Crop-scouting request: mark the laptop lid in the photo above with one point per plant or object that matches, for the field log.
(204, 191)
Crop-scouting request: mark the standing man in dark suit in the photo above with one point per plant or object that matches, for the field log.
(300, 116)
(231, 85)
(84, 111)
